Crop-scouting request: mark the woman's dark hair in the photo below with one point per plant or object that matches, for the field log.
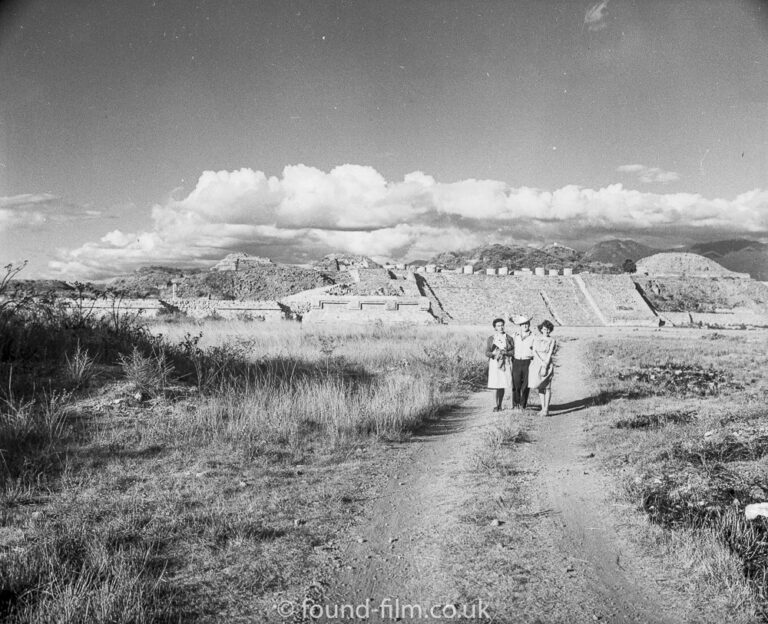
(548, 325)
(498, 320)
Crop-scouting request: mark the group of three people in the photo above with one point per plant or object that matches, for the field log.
(520, 362)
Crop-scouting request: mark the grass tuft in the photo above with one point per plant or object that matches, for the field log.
(149, 375)
(79, 367)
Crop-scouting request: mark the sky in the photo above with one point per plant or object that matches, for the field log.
(174, 132)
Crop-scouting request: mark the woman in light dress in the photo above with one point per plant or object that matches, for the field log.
(498, 350)
(542, 366)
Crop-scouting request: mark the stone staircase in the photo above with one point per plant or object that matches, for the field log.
(568, 302)
(578, 300)
(617, 299)
(478, 299)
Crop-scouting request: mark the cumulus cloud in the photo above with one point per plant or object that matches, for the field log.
(594, 18)
(649, 174)
(30, 211)
(305, 213)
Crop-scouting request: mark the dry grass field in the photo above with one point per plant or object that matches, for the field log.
(684, 428)
(191, 476)
(186, 471)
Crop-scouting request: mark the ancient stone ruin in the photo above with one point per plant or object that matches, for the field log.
(239, 262)
(372, 309)
(197, 308)
(688, 289)
(574, 300)
(671, 288)
(670, 264)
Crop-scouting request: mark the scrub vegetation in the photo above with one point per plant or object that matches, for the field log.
(198, 472)
(684, 424)
(190, 472)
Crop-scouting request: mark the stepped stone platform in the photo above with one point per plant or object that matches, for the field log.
(371, 309)
(564, 300)
(567, 302)
(476, 299)
(240, 261)
(617, 299)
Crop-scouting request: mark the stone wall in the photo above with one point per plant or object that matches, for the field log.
(370, 310)
(243, 310)
(727, 318)
(194, 308)
(146, 308)
(301, 303)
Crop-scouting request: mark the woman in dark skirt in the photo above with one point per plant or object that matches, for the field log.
(498, 350)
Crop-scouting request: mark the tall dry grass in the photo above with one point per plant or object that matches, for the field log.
(693, 462)
(131, 454)
(266, 384)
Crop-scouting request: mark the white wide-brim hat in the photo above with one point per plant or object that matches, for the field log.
(519, 319)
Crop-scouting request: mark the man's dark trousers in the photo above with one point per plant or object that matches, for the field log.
(520, 388)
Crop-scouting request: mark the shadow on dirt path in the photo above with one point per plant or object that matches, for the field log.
(559, 409)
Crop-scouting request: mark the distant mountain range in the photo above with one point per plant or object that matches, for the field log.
(742, 255)
(617, 251)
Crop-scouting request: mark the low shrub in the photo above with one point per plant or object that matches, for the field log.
(149, 375)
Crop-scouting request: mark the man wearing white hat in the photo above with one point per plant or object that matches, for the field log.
(523, 340)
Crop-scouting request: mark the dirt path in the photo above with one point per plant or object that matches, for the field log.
(397, 551)
(554, 556)
(607, 579)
